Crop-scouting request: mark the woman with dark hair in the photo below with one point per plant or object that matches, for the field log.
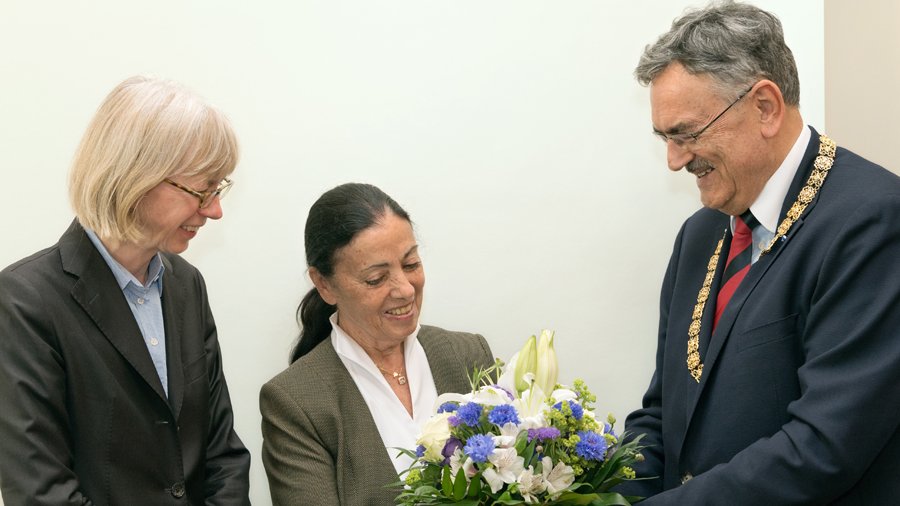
(364, 375)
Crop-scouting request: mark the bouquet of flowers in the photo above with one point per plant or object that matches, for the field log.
(519, 438)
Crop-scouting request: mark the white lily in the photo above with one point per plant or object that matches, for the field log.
(557, 479)
(547, 368)
(563, 394)
(451, 397)
(531, 409)
(491, 396)
(508, 465)
(526, 363)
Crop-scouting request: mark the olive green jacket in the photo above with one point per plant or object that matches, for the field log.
(320, 443)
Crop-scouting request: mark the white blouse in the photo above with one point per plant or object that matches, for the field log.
(396, 427)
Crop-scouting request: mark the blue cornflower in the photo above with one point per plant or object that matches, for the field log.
(591, 447)
(577, 410)
(543, 434)
(503, 414)
(479, 447)
(420, 451)
(469, 413)
(448, 407)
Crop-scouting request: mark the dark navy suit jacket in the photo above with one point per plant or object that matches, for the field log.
(84, 418)
(799, 402)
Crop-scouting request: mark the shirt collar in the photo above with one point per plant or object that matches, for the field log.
(347, 347)
(767, 206)
(123, 276)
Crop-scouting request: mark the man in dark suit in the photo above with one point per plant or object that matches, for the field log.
(111, 381)
(778, 355)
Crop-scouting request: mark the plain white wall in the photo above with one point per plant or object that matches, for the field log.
(862, 49)
(513, 133)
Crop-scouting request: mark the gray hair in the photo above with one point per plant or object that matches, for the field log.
(733, 43)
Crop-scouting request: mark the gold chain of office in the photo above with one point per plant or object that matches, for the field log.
(821, 166)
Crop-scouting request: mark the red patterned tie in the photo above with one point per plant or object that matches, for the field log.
(738, 263)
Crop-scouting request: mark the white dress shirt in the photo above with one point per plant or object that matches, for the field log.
(396, 427)
(767, 205)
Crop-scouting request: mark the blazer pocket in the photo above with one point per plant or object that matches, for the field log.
(767, 333)
(194, 370)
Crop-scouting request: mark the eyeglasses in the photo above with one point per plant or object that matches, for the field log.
(207, 197)
(687, 139)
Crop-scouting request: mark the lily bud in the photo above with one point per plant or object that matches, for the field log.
(526, 363)
(547, 371)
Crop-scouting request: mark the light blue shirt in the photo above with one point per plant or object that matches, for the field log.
(145, 301)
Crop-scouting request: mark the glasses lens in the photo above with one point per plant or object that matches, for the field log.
(220, 192)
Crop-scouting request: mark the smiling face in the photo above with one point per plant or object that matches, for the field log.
(171, 217)
(729, 159)
(377, 283)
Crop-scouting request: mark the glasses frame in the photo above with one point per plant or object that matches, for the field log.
(689, 138)
(206, 198)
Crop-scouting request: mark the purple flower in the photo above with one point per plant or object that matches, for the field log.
(577, 410)
(450, 448)
(469, 413)
(591, 447)
(448, 407)
(479, 447)
(420, 451)
(543, 434)
(503, 414)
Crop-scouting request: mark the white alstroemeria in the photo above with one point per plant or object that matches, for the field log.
(508, 465)
(507, 437)
(530, 485)
(491, 396)
(556, 479)
(547, 370)
(435, 434)
(458, 461)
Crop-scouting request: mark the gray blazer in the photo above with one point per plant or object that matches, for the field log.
(320, 443)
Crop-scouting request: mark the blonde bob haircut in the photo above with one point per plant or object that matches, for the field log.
(146, 130)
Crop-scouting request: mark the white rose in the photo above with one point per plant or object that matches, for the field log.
(435, 434)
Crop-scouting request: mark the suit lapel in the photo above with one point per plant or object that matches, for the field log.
(173, 304)
(98, 294)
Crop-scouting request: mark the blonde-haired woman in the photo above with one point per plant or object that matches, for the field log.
(110, 370)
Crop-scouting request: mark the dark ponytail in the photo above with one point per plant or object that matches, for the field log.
(333, 221)
(313, 315)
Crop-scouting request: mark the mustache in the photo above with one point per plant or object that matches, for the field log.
(699, 165)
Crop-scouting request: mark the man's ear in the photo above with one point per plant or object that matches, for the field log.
(323, 286)
(769, 104)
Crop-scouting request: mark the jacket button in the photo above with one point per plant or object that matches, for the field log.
(178, 490)
(686, 478)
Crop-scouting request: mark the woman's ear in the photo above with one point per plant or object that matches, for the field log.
(323, 286)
